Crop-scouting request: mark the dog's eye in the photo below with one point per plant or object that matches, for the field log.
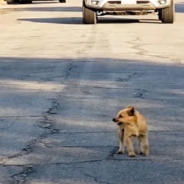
(120, 116)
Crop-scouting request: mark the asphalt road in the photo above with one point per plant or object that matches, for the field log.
(62, 82)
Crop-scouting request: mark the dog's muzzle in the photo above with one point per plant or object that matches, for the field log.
(119, 123)
(114, 119)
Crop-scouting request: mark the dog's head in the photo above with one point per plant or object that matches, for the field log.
(125, 116)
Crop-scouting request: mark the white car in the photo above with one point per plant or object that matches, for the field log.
(94, 8)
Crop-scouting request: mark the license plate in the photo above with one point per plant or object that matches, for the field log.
(128, 2)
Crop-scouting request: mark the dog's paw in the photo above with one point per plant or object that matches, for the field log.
(144, 154)
(119, 152)
(132, 155)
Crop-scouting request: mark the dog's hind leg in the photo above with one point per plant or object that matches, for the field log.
(144, 145)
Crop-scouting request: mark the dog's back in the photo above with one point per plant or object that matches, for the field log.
(141, 123)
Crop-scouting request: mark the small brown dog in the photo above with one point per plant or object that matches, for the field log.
(132, 123)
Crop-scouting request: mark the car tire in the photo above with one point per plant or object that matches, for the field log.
(160, 15)
(167, 15)
(89, 16)
(62, 1)
(12, 1)
(25, 1)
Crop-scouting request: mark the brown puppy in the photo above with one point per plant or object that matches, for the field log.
(132, 123)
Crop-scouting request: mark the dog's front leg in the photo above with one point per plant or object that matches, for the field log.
(128, 143)
(130, 147)
(121, 141)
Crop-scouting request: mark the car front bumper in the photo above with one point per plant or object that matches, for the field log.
(117, 5)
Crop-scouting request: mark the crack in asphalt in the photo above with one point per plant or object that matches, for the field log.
(70, 68)
(143, 52)
(95, 179)
(129, 77)
(46, 124)
(139, 93)
(137, 46)
(54, 106)
(111, 155)
(21, 177)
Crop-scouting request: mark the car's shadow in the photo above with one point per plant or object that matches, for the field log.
(45, 9)
(78, 20)
(110, 20)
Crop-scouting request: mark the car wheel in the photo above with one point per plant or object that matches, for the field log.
(160, 15)
(12, 1)
(25, 1)
(89, 16)
(62, 1)
(168, 14)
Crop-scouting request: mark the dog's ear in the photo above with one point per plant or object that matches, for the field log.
(131, 111)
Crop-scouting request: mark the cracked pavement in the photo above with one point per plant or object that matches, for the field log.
(62, 82)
